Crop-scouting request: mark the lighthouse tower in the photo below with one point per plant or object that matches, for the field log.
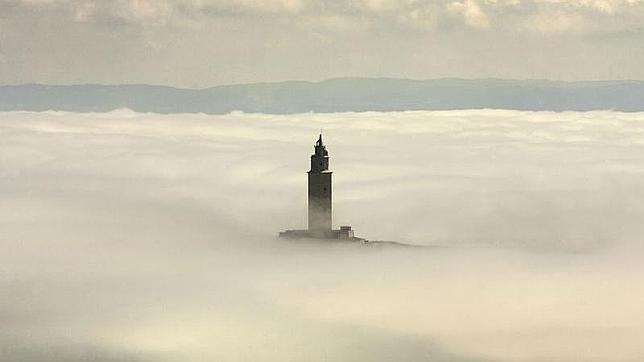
(320, 213)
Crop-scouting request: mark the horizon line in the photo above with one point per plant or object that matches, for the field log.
(297, 81)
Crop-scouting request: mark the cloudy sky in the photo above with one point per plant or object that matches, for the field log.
(200, 43)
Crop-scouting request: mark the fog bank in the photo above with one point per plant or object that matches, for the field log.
(145, 237)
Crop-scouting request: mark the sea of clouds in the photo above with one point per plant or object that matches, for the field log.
(145, 237)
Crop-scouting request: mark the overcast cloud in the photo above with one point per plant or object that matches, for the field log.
(200, 43)
(143, 237)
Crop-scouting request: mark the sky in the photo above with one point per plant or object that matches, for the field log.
(146, 237)
(202, 43)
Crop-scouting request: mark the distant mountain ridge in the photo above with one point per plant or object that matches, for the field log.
(334, 95)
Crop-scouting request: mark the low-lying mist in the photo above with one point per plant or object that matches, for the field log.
(145, 237)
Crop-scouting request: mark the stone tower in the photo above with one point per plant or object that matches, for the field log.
(320, 213)
(320, 219)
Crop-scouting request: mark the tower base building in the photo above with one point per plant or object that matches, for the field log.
(344, 233)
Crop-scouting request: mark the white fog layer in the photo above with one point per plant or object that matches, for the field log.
(145, 237)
